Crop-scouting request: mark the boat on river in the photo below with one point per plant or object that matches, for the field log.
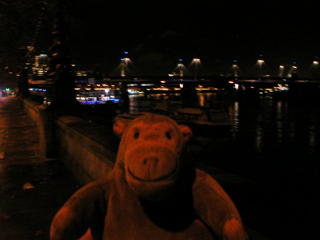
(202, 120)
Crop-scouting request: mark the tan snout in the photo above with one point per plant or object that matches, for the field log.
(151, 170)
(151, 163)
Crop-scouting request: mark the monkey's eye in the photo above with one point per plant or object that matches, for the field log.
(168, 135)
(136, 135)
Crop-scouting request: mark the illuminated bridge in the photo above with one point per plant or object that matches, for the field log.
(148, 85)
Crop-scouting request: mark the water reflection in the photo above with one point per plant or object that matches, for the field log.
(280, 122)
(140, 103)
(269, 138)
(202, 100)
(312, 137)
(235, 116)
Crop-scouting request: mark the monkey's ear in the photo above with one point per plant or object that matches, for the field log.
(118, 128)
(186, 132)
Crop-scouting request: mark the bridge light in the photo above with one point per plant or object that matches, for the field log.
(196, 60)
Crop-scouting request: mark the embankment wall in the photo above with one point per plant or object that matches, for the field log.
(88, 150)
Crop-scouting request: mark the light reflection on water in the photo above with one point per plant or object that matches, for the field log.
(235, 116)
(280, 122)
(269, 139)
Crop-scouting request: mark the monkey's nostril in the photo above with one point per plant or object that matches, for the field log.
(151, 160)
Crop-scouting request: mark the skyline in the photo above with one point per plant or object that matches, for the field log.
(157, 34)
(194, 68)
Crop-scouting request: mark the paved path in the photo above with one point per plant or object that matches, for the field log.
(32, 188)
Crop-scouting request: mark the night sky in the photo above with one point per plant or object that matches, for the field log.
(159, 33)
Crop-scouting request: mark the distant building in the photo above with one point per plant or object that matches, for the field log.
(41, 65)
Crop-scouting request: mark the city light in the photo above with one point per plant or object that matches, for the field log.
(235, 68)
(293, 69)
(260, 63)
(281, 69)
(196, 62)
(180, 67)
(314, 71)
(124, 65)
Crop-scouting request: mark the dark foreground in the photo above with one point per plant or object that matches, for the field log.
(32, 189)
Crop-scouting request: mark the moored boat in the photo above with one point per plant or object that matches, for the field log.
(202, 120)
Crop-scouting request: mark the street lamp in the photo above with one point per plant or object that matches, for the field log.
(314, 69)
(294, 67)
(260, 62)
(180, 66)
(196, 62)
(124, 64)
(235, 68)
(281, 69)
(293, 70)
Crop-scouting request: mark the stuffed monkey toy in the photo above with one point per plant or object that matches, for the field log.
(153, 192)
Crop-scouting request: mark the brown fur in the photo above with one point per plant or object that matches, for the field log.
(153, 192)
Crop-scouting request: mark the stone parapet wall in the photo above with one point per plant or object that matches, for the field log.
(42, 117)
(84, 147)
(88, 149)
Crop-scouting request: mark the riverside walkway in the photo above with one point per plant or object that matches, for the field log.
(33, 188)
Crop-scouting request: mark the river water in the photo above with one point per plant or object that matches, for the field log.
(273, 143)
(268, 137)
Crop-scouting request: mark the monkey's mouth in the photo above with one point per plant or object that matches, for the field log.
(167, 176)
